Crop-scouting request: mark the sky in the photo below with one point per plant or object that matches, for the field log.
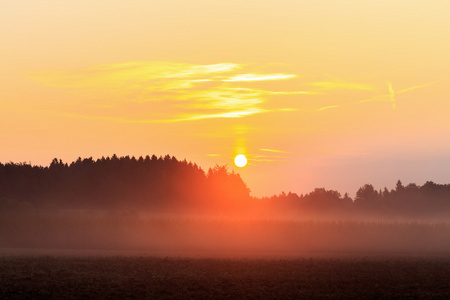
(325, 93)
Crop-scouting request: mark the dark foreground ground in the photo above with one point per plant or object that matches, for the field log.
(121, 277)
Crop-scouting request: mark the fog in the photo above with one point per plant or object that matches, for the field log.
(170, 207)
(132, 232)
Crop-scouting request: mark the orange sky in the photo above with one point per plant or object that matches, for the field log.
(327, 93)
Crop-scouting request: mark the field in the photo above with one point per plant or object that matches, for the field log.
(121, 277)
(180, 235)
(120, 255)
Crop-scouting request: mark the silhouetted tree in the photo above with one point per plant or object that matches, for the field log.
(367, 197)
(227, 189)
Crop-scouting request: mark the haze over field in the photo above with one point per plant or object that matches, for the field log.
(162, 206)
(315, 94)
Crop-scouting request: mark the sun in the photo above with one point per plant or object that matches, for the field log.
(240, 160)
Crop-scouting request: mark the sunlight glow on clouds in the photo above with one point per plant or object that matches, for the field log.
(273, 150)
(269, 155)
(164, 92)
(260, 77)
(128, 72)
(179, 118)
(232, 114)
(328, 107)
(188, 92)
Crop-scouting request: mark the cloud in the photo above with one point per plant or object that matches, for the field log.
(259, 77)
(265, 160)
(272, 150)
(174, 119)
(274, 155)
(262, 158)
(131, 73)
(231, 114)
(183, 92)
(328, 107)
(265, 92)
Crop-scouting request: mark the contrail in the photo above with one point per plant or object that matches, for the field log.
(422, 85)
(328, 107)
(392, 93)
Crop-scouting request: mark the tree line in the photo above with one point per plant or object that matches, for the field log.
(168, 184)
(159, 183)
(412, 200)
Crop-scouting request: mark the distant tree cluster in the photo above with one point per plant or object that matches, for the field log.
(411, 200)
(167, 184)
(121, 182)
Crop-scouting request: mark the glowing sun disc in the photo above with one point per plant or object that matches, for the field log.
(240, 160)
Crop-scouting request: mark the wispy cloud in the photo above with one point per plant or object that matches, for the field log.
(265, 92)
(259, 77)
(178, 118)
(128, 73)
(231, 114)
(272, 150)
(266, 160)
(184, 92)
(269, 155)
(328, 107)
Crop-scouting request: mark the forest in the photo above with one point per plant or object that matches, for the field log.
(166, 184)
